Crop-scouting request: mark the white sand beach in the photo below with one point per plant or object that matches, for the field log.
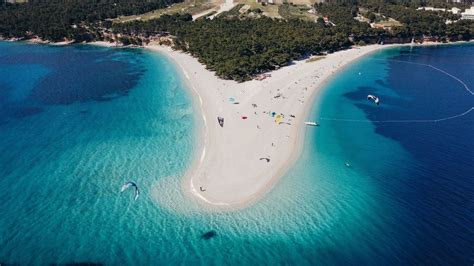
(263, 128)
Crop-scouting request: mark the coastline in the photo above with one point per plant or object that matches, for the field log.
(241, 147)
(211, 163)
(227, 164)
(381, 209)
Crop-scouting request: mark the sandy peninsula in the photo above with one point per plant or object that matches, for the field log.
(263, 129)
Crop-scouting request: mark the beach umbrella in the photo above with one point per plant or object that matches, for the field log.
(278, 119)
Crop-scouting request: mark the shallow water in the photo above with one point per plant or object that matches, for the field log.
(77, 122)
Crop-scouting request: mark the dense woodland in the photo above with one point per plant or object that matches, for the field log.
(236, 48)
(419, 23)
(342, 14)
(53, 19)
(241, 48)
(416, 23)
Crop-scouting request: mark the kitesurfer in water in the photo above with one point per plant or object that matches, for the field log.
(131, 184)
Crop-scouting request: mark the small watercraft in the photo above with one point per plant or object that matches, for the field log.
(314, 124)
(373, 98)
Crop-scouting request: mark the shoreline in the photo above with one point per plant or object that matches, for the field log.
(226, 161)
(210, 163)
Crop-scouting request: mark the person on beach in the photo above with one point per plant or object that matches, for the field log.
(220, 120)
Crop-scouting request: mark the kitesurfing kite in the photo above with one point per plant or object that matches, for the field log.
(131, 184)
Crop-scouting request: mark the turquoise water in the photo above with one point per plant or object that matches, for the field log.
(70, 136)
(76, 123)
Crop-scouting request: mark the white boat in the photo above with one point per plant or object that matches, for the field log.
(314, 124)
(373, 98)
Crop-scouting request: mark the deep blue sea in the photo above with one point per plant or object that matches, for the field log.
(77, 122)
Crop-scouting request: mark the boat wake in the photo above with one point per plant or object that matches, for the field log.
(464, 85)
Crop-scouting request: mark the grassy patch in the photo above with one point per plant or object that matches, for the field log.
(268, 10)
(192, 7)
(233, 12)
(390, 23)
(289, 11)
